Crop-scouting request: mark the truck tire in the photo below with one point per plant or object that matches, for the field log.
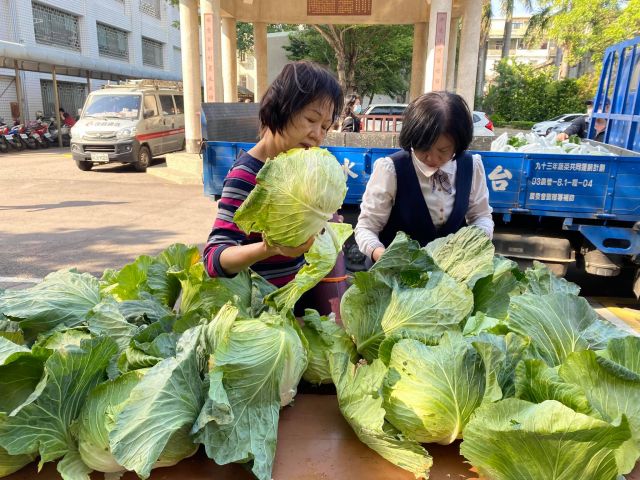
(144, 159)
(84, 166)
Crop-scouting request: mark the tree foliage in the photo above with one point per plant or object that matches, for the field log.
(367, 59)
(523, 92)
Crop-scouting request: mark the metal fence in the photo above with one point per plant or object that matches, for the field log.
(152, 53)
(150, 7)
(55, 27)
(72, 97)
(112, 42)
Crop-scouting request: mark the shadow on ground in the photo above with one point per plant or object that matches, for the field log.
(90, 250)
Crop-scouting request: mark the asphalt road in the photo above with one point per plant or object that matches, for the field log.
(53, 216)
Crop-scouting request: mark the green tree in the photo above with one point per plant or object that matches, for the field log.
(367, 59)
(583, 28)
(522, 92)
(485, 28)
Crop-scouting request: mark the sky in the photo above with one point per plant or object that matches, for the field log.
(518, 9)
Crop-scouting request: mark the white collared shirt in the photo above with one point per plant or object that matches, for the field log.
(380, 194)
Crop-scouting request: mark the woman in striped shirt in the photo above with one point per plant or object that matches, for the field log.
(297, 110)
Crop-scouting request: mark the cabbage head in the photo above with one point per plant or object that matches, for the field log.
(98, 418)
(297, 192)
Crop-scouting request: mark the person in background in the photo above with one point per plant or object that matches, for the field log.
(67, 119)
(579, 126)
(433, 186)
(296, 111)
(350, 120)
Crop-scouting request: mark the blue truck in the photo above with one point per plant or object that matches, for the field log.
(563, 210)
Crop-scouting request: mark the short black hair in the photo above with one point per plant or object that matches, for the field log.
(298, 84)
(433, 114)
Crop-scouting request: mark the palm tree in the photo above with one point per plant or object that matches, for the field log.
(506, 9)
(485, 27)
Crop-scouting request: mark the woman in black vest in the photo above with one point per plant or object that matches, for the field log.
(433, 186)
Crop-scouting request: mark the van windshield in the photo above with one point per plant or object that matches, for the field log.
(112, 106)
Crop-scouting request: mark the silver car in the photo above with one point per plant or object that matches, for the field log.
(557, 124)
(129, 123)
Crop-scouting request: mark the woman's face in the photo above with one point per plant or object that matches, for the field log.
(357, 106)
(308, 127)
(440, 152)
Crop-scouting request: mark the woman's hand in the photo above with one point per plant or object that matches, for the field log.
(377, 253)
(290, 251)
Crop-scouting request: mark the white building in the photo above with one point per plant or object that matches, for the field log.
(119, 34)
(540, 54)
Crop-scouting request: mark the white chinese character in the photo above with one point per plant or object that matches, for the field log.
(589, 167)
(554, 166)
(543, 196)
(602, 167)
(500, 178)
(537, 195)
(572, 197)
(531, 196)
(565, 197)
(574, 182)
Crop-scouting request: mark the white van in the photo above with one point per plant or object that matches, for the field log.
(129, 123)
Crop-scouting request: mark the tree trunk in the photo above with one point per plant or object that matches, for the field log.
(506, 38)
(482, 66)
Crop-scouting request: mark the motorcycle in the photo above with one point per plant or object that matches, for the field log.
(34, 129)
(44, 130)
(20, 132)
(65, 130)
(12, 137)
(4, 143)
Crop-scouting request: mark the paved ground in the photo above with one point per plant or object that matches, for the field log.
(53, 216)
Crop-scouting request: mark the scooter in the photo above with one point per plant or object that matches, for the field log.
(33, 131)
(65, 130)
(43, 129)
(12, 137)
(27, 140)
(4, 143)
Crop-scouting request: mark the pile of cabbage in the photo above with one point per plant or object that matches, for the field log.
(532, 143)
(453, 342)
(138, 369)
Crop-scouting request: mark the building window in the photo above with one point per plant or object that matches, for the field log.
(150, 7)
(151, 53)
(55, 27)
(517, 25)
(112, 42)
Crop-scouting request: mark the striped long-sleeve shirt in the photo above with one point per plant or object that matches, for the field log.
(240, 180)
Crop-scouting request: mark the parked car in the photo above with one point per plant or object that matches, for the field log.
(129, 123)
(557, 124)
(387, 117)
(482, 125)
(382, 117)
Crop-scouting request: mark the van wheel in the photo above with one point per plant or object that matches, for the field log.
(144, 159)
(84, 166)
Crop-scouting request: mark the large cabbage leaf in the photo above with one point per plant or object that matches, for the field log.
(404, 262)
(492, 293)
(151, 275)
(517, 439)
(359, 389)
(431, 391)
(320, 260)
(255, 370)
(166, 401)
(62, 299)
(43, 422)
(297, 192)
(362, 307)
(325, 336)
(612, 387)
(558, 324)
(466, 255)
(372, 310)
(13, 463)
(542, 281)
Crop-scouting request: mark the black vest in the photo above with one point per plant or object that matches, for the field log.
(410, 213)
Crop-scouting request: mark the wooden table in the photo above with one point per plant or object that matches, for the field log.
(314, 443)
